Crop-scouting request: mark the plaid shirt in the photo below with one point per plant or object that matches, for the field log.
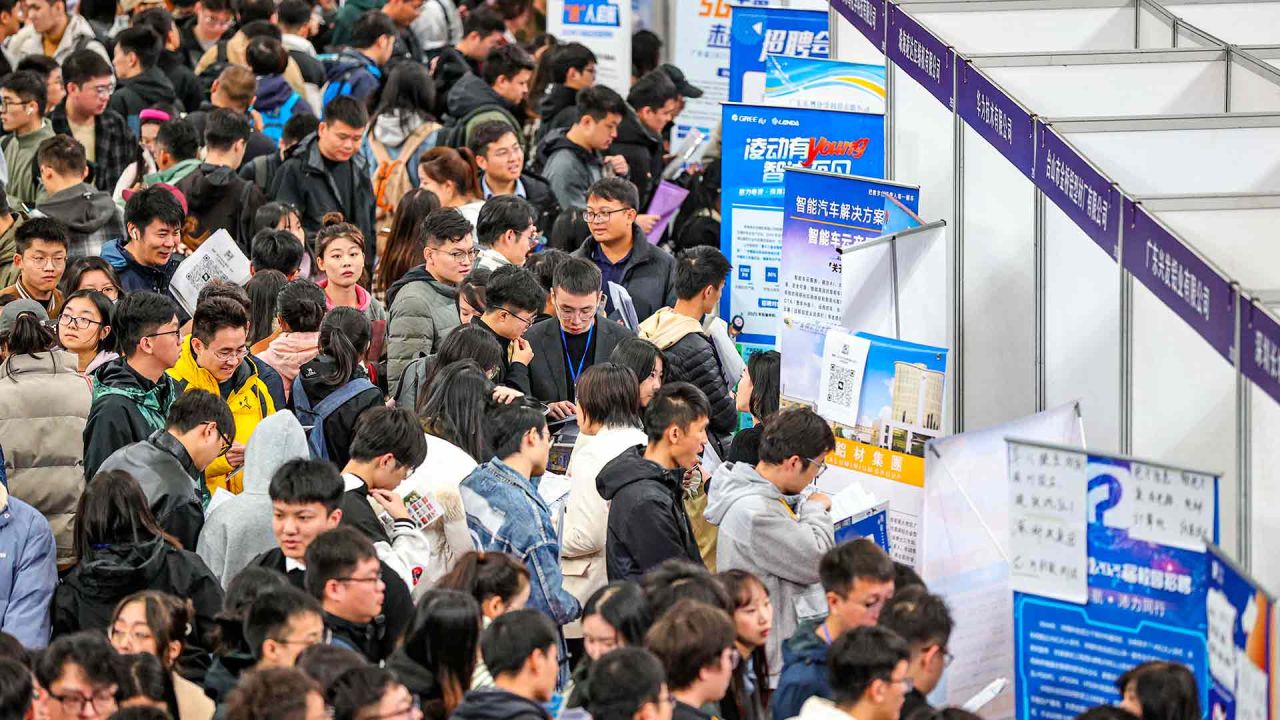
(115, 147)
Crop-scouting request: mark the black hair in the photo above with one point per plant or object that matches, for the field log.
(180, 138)
(484, 575)
(154, 203)
(106, 311)
(266, 56)
(381, 430)
(508, 425)
(692, 635)
(88, 649)
(113, 510)
(739, 584)
(143, 41)
(624, 606)
(1101, 712)
(652, 91)
(324, 663)
(502, 213)
(623, 681)
(456, 407)
(158, 18)
(264, 291)
(848, 561)
(226, 290)
(29, 336)
(63, 154)
(609, 394)
(302, 482)
(346, 109)
(29, 86)
(765, 369)
(487, 133)
(77, 267)
(514, 288)
(544, 264)
(50, 230)
(639, 355)
(513, 637)
(483, 20)
(143, 676)
(216, 314)
(795, 431)
(465, 342)
(13, 649)
(334, 554)
(676, 403)
(357, 689)
(577, 276)
(615, 188)
(675, 580)
(293, 13)
(223, 127)
(15, 689)
(405, 244)
(269, 216)
(84, 65)
(301, 305)
(703, 200)
(344, 336)
(139, 314)
(570, 56)
(506, 61)
(41, 65)
(598, 102)
(698, 268)
(443, 638)
(274, 693)
(278, 250)
(370, 27)
(216, 5)
(197, 407)
(918, 617)
(298, 127)
(472, 287)
(646, 52)
(444, 225)
(244, 589)
(859, 657)
(410, 91)
(1165, 690)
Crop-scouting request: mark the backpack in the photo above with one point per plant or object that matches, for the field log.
(341, 85)
(211, 73)
(312, 419)
(273, 122)
(457, 133)
(391, 178)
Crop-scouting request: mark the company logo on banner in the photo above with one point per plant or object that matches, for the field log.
(600, 13)
(758, 32)
(602, 25)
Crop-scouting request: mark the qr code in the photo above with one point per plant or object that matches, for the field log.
(205, 269)
(840, 389)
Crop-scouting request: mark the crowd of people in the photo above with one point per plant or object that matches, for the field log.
(319, 494)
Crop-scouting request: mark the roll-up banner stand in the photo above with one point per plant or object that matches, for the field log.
(1109, 570)
(1241, 624)
(757, 32)
(701, 49)
(764, 142)
(602, 25)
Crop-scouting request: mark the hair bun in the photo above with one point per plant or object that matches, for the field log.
(332, 218)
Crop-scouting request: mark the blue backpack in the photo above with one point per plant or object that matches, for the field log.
(342, 85)
(312, 419)
(273, 122)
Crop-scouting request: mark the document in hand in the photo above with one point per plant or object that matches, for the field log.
(217, 258)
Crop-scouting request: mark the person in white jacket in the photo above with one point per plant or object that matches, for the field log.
(869, 678)
(608, 402)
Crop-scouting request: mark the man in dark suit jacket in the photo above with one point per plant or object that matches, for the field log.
(577, 338)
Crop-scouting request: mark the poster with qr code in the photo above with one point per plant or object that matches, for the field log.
(217, 258)
(844, 362)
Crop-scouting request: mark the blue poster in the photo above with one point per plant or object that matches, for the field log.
(764, 142)
(1145, 601)
(756, 32)
(1240, 615)
(872, 523)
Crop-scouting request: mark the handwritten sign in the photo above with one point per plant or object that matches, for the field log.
(1222, 647)
(1047, 533)
(1252, 690)
(1172, 507)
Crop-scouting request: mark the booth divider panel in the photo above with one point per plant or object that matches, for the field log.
(1251, 92)
(1153, 88)
(1186, 162)
(1240, 241)
(1264, 497)
(1047, 30)
(1243, 23)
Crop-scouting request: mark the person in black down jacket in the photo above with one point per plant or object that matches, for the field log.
(645, 486)
(653, 100)
(121, 550)
(520, 648)
(691, 355)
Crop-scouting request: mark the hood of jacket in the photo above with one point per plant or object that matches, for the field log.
(632, 467)
(417, 678)
(420, 274)
(558, 97)
(113, 253)
(288, 351)
(666, 327)
(349, 58)
(557, 140)
(276, 440)
(153, 86)
(470, 93)
(633, 132)
(110, 571)
(82, 207)
(393, 127)
(497, 705)
(313, 376)
(816, 708)
(805, 646)
(733, 482)
(209, 185)
(173, 174)
(363, 298)
(116, 378)
(273, 91)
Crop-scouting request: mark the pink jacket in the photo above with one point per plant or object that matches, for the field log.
(289, 352)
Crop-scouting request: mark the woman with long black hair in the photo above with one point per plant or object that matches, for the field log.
(338, 372)
(439, 652)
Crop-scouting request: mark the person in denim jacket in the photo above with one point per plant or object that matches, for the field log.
(506, 514)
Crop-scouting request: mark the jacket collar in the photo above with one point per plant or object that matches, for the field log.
(508, 474)
(641, 250)
(165, 441)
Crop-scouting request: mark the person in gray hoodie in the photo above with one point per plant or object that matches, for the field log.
(239, 529)
(90, 215)
(769, 528)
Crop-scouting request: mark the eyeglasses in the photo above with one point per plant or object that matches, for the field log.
(583, 313)
(414, 707)
(6, 103)
(215, 21)
(175, 333)
(76, 323)
(236, 354)
(947, 658)
(907, 683)
(138, 637)
(821, 465)
(375, 579)
(593, 216)
(55, 261)
(103, 90)
(73, 703)
(227, 440)
(527, 321)
(461, 255)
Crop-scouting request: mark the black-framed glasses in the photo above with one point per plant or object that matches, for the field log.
(528, 322)
(227, 440)
(375, 579)
(76, 323)
(411, 709)
(73, 703)
(592, 216)
(176, 333)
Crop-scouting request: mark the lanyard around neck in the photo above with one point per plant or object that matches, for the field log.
(574, 373)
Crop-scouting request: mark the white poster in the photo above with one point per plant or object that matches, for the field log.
(602, 25)
(1048, 553)
(844, 363)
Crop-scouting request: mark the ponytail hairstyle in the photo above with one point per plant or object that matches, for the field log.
(169, 619)
(334, 227)
(30, 336)
(300, 305)
(486, 575)
(344, 336)
(457, 166)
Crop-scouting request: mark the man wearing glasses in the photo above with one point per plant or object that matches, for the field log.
(344, 574)
(513, 298)
(564, 349)
(170, 464)
(41, 259)
(924, 622)
(869, 669)
(23, 98)
(105, 135)
(78, 673)
(132, 394)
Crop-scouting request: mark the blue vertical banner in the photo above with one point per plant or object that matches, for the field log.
(1241, 619)
(757, 32)
(760, 143)
(1145, 588)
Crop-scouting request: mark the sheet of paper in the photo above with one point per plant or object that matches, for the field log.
(220, 496)
(624, 305)
(850, 502)
(844, 362)
(1171, 507)
(1221, 616)
(553, 487)
(218, 258)
(986, 695)
(1251, 689)
(731, 364)
(1047, 528)
(665, 204)
(689, 148)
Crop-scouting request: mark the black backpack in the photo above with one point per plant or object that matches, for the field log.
(211, 73)
(457, 133)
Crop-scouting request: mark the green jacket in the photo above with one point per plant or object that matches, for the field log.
(8, 248)
(347, 17)
(20, 155)
(173, 174)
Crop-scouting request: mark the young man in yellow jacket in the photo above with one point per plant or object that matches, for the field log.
(215, 358)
